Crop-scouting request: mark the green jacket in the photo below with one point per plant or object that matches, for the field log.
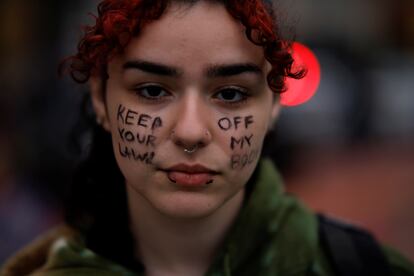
(274, 234)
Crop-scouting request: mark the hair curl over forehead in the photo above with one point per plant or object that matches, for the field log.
(118, 21)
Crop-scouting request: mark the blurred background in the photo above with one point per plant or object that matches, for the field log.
(348, 152)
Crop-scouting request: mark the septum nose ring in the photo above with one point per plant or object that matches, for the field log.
(191, 150)
(195, 147)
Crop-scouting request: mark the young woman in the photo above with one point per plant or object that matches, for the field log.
(184, 93)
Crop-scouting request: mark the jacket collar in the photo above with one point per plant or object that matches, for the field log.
(273, 224)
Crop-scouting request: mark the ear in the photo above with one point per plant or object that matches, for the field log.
(97, 91)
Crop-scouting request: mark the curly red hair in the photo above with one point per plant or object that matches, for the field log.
(120, 20)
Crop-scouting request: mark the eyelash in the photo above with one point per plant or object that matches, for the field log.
(243, 93)
(152, 99)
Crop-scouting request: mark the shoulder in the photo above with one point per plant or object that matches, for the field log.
(399, 265)
(32, 257)
(60, 252)
(355, 251)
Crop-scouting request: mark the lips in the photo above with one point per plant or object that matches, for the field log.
(190, 176)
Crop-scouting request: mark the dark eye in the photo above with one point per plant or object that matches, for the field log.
(231, 95)
(152, 92)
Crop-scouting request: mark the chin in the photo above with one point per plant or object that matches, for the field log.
(188, 205)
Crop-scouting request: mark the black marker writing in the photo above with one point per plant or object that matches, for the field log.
(143, 120)
(120, 113)
(227, 123)
(156, 123)
(130, 153)
(128, 136)
(248, 120)
(239, 161)
(241, 141)
(131, 117)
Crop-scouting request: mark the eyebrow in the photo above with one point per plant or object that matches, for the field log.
(213, 71)
(152, 68)
(229, 70)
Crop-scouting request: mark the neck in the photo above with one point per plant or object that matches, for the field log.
(181, 246)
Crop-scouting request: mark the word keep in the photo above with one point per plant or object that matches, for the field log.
(131, 117)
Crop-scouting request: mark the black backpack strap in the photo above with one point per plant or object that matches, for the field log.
(350, 250)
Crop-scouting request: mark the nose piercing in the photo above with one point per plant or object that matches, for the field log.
(191, 150)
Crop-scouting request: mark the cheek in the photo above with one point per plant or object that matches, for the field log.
(241, 137)
(134, 136)
(245, 149)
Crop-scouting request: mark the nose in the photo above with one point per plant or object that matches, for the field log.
(191, 129)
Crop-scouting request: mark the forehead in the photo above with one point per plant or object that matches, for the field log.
(198, 34)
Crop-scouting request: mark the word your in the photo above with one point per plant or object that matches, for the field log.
(131, 117)
(241, 141)
(239, 161)
(130, 153)
(226, 123)
(126, 135)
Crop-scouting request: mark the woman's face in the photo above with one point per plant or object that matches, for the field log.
(190, 80)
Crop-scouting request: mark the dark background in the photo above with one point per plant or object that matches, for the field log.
(347, 152)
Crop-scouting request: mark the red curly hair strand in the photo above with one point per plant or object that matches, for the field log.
(118, 21)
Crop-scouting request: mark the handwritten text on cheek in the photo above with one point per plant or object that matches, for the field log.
(133, 130)
(239, 160)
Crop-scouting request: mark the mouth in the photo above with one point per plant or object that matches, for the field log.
(190, 176)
